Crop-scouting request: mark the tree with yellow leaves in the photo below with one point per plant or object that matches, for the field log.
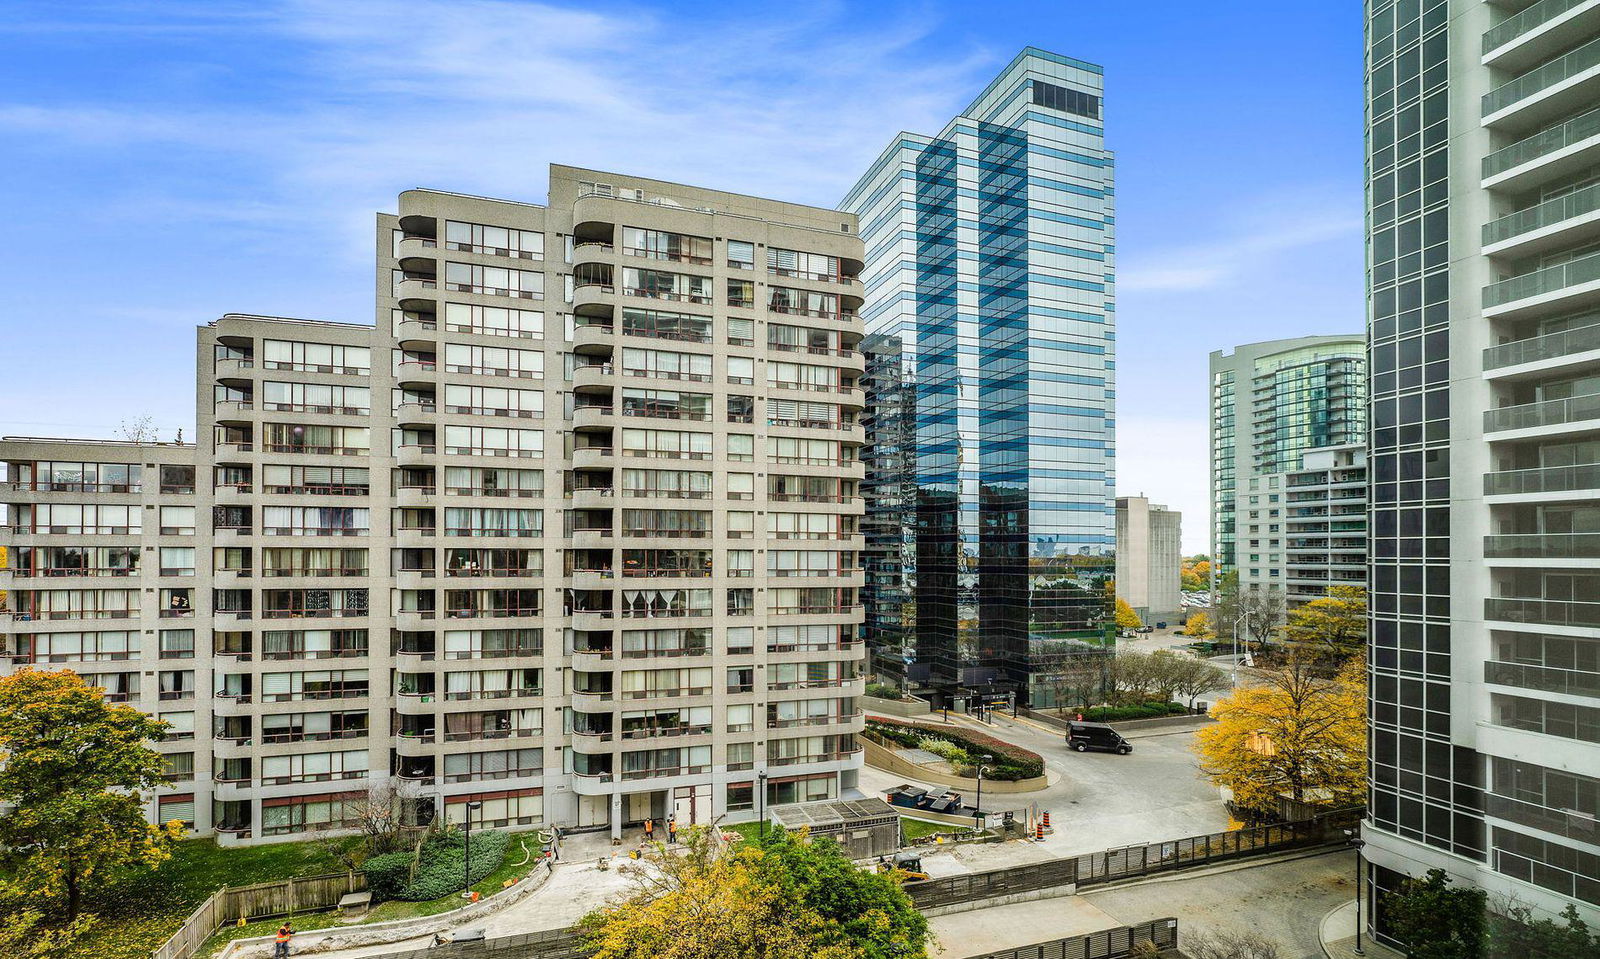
(786, 896)
(1198, 626)
(70, 782)
(1335, 623)
(1293, 732)
(1126, 617)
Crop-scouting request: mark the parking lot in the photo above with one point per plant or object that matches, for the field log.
(1096, 800)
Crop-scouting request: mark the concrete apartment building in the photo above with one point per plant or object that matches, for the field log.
(1150, 558)
(990, 297)
(1271, 403)
(1325, 523)
(1483, 143)
(572, 531)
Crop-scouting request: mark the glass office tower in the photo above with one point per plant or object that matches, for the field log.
(989, 285)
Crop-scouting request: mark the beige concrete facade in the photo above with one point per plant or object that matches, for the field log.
(1150, 558)
(571, 531)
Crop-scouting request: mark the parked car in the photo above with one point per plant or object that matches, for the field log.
(1161, 626)
(1086, 736)
(1145, 629)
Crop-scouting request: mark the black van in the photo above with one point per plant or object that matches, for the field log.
(1086, 736)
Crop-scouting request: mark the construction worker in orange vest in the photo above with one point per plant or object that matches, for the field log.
(280, 942)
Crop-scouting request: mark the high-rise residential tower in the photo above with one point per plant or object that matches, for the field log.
(1483, 147)
(1149, 558)
(572, 532)
(989, 286)
(1271, 403)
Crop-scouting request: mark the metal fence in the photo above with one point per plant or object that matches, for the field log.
(550, 944)
(1106, 944)
(1132, 861)
(260, 901)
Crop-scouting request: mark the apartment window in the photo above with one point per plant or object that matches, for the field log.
(179, 725)
(494, 280)
(741, 370)
(741, 293)
(177, 644)
(177, 560)
(741, 332)
(494, 240)
(741, 447)
(177, 479)
(741, 254)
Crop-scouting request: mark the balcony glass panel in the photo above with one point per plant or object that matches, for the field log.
(1547, 413)
(1548, 213)
(1542, 143)
(1550, 679)
(1516, 25)
(1542, 77)
(1547, 347)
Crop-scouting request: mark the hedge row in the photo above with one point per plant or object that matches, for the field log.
(1106, 714)
(1012, 762)
(440, 867)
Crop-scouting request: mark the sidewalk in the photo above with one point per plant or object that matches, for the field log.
(1337, 936)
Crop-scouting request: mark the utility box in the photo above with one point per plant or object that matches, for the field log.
(866, 828)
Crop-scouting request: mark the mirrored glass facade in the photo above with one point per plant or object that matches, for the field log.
(989, 284)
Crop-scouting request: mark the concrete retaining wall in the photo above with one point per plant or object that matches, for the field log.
(1032, 895)
(903, 708)
(383, 933)
(881, 757)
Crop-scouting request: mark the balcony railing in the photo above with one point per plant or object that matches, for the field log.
(1524, 21)
(1550, 679)
(1548, 213)
(1548, 479)
(1552, 279)
(1542, 78)
(1542, 546)
(1551, 612)
(1546, 413)
(1543, 143)
(1571, 823)
(1547, 347)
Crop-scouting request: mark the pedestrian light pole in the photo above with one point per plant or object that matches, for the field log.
(466, 846)
(977, 809)
(1356, 842)
(762, 777)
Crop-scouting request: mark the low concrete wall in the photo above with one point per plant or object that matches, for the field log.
(882, 757)
(904, 708)
(383, 933)
(1125, 726)
(1032, 895)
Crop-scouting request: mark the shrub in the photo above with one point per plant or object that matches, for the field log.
(1107, 714)
(440, 866)
(883, 691)
(946, 750)
(1011, 762)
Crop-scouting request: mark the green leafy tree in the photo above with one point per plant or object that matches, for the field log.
(74, 766)
(1518, 934)
(1436, 921)
(870, 909)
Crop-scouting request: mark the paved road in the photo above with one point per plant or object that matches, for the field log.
(1096, 800)
(1282, 901)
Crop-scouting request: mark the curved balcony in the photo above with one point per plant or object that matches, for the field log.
(415, 744)
(418, 244)
(594, 417)
(419, 288)
(593, 296)
(415, 578)
(416, 496)
(593, 377)
(593, 784)
(416, 704)
(593, 497)
(593, 251)
(599, 538)
(593, 579)
(593, 457)
(593, 339)
(593, 661)
(593, 620)
(592, 702)
(226, 789)
(417, 454)
(232, 747)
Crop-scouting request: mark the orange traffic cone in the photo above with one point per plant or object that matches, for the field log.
(1047, 819)
(1039, 833)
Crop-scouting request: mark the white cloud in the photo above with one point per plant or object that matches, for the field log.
(1231, 252)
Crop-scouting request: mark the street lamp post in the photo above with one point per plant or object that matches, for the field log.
(466, 845)
(977, 809)
(1356, 842)
(1237, 620)
(762, 777)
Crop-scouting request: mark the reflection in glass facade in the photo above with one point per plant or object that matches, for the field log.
(990, 385)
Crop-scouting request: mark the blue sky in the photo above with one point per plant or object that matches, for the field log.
(166, 162)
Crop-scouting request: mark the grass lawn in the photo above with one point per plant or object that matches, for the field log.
(512, 868)
(917, 828)
(139, 915)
